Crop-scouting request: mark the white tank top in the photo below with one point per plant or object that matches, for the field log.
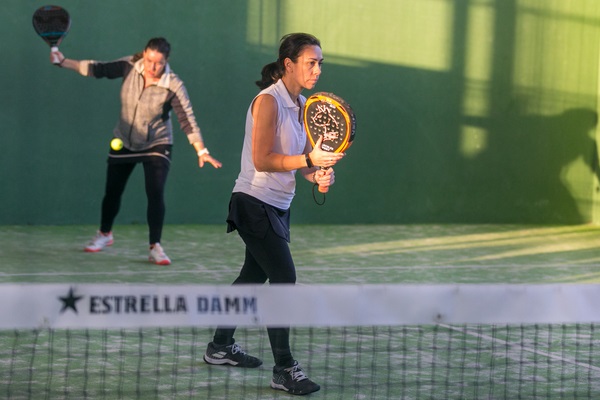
(274, 188)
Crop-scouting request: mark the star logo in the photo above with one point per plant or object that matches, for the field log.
(70, 301)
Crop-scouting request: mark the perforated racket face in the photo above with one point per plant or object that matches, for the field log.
(52, 23)
(328, 115)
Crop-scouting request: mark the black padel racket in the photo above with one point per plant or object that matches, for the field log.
(52, 24)
(328, 115)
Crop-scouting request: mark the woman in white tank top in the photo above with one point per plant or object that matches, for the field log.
(275, 148)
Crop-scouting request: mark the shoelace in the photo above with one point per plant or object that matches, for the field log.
(99, 237)
(159, 251)
(235, 348)
(297, 373)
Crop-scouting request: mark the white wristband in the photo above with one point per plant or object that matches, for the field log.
(203, 152)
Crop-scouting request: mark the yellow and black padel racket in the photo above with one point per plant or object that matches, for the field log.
(328, 115)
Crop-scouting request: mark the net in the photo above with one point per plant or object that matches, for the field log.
(402, 350)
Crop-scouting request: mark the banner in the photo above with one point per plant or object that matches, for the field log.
(133, 306)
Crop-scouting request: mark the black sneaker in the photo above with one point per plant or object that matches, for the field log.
(293, 380)
(232, 355)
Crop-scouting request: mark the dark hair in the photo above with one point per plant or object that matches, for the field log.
(159, 44)
(291, 45)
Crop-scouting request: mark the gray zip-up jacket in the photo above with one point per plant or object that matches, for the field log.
(145, 119)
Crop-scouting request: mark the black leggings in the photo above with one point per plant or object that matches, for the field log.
(266, 258)
(156, 170)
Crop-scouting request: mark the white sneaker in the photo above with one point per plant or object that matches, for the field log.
(99, 242)
(158, 256)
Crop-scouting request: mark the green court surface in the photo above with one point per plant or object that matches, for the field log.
(350, 254)
(408, 362)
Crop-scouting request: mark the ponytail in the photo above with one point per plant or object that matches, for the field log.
(270, 74)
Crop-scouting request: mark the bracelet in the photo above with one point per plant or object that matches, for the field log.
(203, 152)
(309, 162)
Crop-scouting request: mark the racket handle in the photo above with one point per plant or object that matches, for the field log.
(323, 189)
(55, 59)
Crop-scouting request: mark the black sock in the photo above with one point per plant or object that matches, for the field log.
(223, 340)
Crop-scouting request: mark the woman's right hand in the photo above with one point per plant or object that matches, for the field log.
(322, 158)
(56, 57)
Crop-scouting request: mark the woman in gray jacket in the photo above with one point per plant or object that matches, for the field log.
(144, 133)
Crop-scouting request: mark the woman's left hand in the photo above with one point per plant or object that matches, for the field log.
(322, 158)
(207, 158)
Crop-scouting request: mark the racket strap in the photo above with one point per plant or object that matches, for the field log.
(314, 190)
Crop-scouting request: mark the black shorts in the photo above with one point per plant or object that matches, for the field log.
(127, 156)
(252, 216)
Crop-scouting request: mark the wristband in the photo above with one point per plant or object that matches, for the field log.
(203, 152)
(309, 162)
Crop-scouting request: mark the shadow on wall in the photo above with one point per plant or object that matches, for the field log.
(526, 163)
(406, 166)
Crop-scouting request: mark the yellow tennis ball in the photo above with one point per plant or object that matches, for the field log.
(116, 144)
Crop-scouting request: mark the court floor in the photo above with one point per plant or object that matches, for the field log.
(153, 364)
(205, 254)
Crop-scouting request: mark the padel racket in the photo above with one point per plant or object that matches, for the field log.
(328, 115)
(52, 24)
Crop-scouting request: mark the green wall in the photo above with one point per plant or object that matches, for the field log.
(467, 111)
